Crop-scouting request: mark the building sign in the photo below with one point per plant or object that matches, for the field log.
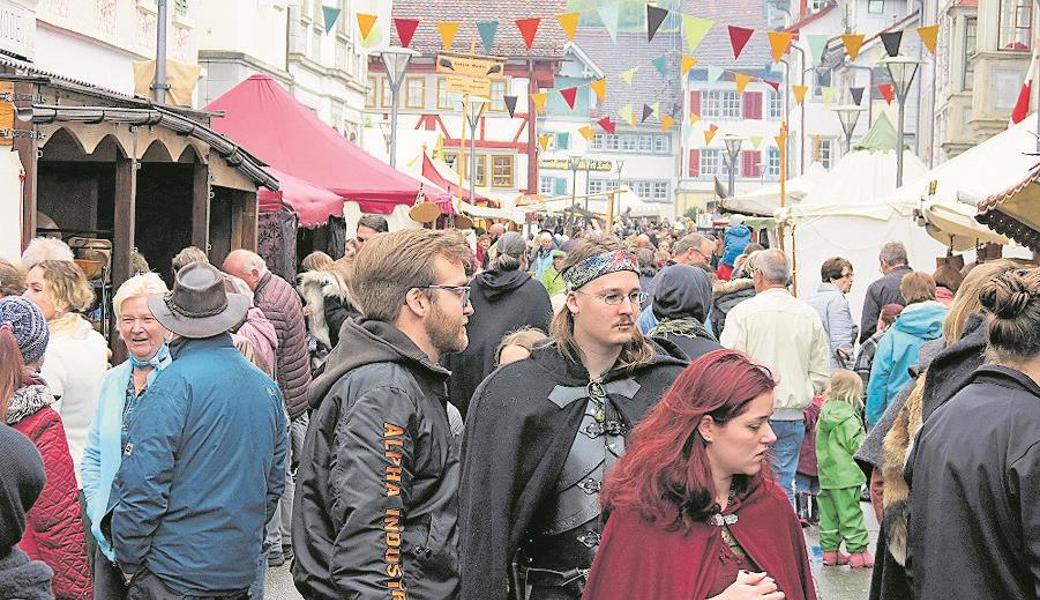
(468, 74)
(469, 86)
(17, 29)
(559, 164)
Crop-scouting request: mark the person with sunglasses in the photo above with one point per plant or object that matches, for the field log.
(541, 434)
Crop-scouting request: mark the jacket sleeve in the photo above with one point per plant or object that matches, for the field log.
(871, 310)
(142, 485)
(877, 389)
(852, 435)
(819, 357)
(276, 476)
(1022, 475)
(841, 328)
(371, 484)
(733, 335)
(90, 464)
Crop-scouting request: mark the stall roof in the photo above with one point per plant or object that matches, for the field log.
(280, 130)
(1014, 212)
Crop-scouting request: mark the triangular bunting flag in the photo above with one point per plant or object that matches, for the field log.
(510, 104)
(817, 44)
(709, 134)
(528, 29)
(608, 13)
(661, 63)
(656, 107)
(781, 139)
(405, 30)
(647, 112)
(741, 80)
(688, 62)
(331, 14)
(799, 93)
(655, 15)
(587, 132)
(629, 75)
(599, 87)
(538, 99)
(857, 95)
(365, 23)
(892, 40)
(569, 95)
(543, 141)
(738, 38)
(779, 42)
(756, 141)
(607, 125)
(448, 30)
(693, 118)
(929, 35)
(626, 113)
(666, 123)
(714, 73)
(853, 42)
(773, 84)
(827, 93)
(569, 23)
(375, 37)
(887, 92)
(694, 30)
(487, 31)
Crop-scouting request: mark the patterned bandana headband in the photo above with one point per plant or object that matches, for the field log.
(597, 266)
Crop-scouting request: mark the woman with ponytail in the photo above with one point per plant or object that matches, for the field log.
(692, 509)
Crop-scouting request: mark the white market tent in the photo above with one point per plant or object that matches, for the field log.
(765, 200)
(843, 216)
(628, 203)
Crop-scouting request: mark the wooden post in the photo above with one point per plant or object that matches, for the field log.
(250, 220)
(26, 149)
(200, 206)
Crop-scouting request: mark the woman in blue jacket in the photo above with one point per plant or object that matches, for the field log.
(898, 350)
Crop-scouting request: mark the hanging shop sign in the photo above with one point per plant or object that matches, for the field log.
(585, 165)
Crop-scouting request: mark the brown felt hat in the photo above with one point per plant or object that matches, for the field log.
(198, 306)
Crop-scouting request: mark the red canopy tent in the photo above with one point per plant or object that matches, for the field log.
(261, 116)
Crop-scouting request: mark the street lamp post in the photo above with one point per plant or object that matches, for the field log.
(395, 60)
(848, 116)
(901, 70)
(733, 143)
(474, 107)
(620, 165)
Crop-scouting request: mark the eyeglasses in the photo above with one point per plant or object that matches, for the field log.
(462, 291)
(614, 299)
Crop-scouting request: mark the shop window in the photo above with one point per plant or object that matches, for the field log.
(415, 92)
(502, 171)
(1016, 22)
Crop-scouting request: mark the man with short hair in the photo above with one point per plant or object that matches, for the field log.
(786, 335)
(693, 249)
(885, 290)
(204, 462)
(541, 435)
(368, 227)
(377, 505)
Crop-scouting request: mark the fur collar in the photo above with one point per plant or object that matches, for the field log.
(27, 401)
(729, 287)
(315, 288)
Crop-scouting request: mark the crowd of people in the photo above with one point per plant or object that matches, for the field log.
(643, 413)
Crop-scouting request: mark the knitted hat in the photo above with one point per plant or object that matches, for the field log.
(21, 484)
(27, 324)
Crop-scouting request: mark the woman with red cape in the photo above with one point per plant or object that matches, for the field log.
(693, 513)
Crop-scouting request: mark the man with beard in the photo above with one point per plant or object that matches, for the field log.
(542, 433)
(376, 503)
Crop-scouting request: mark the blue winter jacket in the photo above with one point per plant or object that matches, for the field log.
(737, 238)
(898, 351)
(202, 471)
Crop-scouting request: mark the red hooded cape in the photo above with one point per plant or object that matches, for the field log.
(639, 560)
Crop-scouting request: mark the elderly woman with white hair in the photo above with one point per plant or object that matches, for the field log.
(121, 389)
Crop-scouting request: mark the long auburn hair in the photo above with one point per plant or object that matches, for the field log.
(665, 474)
(12, 370)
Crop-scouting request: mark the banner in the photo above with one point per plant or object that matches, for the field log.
(661, 64)
(365, 23)
(625, 112)
(587, 132)
(887, 92)
(628, 75)
(741, 80)
(331, 14)
(510, 104)
(607, 125)
(538, 99)
(799, 92)
(709, 134)
(857, 95)
(666, 123)
(817, 45)
(569, 96)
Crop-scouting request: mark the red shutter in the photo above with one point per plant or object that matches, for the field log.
(749, 164)
(753, 105)
(695, 163)
(695, 102)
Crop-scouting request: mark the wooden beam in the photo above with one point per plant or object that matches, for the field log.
(26, 149)
(200, 206)
(250, 219)
(123, 219)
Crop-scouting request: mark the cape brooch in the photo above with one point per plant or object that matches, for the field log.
(720, 520)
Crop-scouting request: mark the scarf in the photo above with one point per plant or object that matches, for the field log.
(29, 400)
(685, 327)
(158, 361)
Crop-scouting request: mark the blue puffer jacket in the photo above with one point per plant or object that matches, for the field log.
(737, 238)
(899, 350)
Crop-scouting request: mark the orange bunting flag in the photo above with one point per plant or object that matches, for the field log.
(365, 23)
(781, 139)
(779, 42)
(448, 30)
(799, 92)
(587, 132)
(528, 29)
(929, 36)
(694, 118)
(688, 62)
(538, 99)
(666, 123)
(709, 134)
(569, 23)
(741, 80)
(543, 141)
(853, 42)
(599, 87)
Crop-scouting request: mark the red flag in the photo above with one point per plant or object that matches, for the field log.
(569, 94)
(405, 30)
(773, 84)
(1021, 109)
(738, 38)
(887, 91)
(528, 29)
(606, 124)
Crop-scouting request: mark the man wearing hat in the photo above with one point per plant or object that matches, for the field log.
(204, 462)
(542, 433)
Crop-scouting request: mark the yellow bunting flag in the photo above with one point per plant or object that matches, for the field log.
(799, 92)
(569, 23)
(656, 107)
(448, 29)
(629, 75)
(756, 141)
(694, 118)
(781, 140)
(929, 35)
(625, 112)
(688, 62)
(538, 99)
(779, 42)
(742, 81)
(853, 42)
(827, 94)
(694, 30)
(709, 134)
(666, 123)
(587, 132)
(599, 87)
(365, 23)
(543, 141)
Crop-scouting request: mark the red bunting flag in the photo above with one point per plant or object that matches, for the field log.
(887, 91)
(569, 95)
(405, 30)
(773, 84)
(606, 124)
(528, 29)
(738, 38)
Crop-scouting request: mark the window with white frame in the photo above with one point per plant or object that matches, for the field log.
(498, 95)
(629, 142)
(971, 36)
(776, 105)
(372, 92)
(660, 191)
(1016, 23)
(643, 189)
(773, 162)
(876, 7)
(825, 152)
(720, 104)
(598, 186)
(545, 185)
(446, 100)
(646, 142)
(386, 97)
(662, 144)
(415, 92)
(712, 162)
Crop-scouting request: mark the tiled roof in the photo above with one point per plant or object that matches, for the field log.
(548, 43)
(797, 25)
(716, 50)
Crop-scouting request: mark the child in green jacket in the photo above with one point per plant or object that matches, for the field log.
(839, 433)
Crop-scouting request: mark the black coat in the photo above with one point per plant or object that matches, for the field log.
(974, 498)
(376, 501)
(881, 292)
(692, 347)
(503, 301)
(515, 444)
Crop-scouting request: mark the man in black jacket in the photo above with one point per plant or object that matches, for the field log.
(376, 503)
(542, 433)
(886, 289)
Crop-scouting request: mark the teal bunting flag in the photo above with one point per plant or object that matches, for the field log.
(714, 74)
(817, 44)
(661, 63)
(609, 14)
(331, 14)
(487, 30)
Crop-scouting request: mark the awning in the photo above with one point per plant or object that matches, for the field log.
(314, 205)
(1015, 212)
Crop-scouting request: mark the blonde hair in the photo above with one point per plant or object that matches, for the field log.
(527, 338)
(67, 285)
(316, 261)
(12, 279)
(145, 284)
(966, 300)
(845, 386)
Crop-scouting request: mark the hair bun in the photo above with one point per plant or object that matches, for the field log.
(1008, 295)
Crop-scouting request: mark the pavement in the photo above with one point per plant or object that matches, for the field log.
(832, 583)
